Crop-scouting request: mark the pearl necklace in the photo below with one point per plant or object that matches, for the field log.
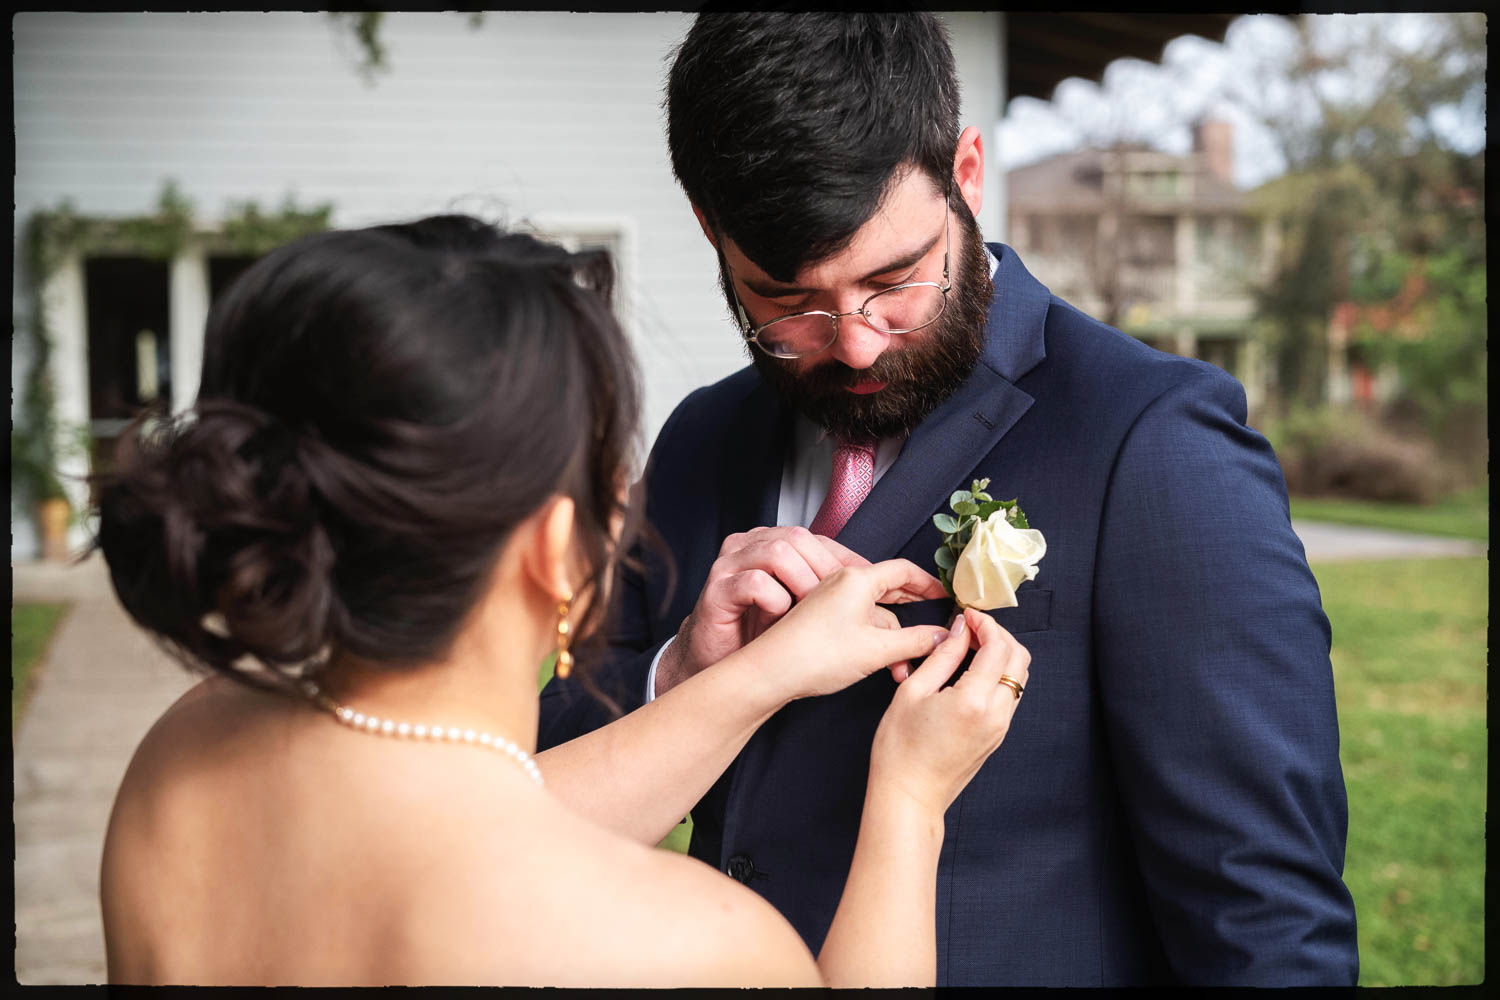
(440, 734)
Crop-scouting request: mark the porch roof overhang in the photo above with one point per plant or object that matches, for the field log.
(1042, 50)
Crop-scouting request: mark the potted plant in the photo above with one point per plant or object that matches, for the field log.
(34, 480)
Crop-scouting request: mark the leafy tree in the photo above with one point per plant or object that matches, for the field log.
(1377, 191)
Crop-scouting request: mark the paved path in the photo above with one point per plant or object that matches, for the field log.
(1342, 542)
(101, 686)
(103, 683)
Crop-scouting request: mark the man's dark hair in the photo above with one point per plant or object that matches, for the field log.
(787, 129)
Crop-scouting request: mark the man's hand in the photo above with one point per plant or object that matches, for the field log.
(757, 578)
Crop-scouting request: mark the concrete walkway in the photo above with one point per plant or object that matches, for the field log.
(103, 683)
(99, 688)
(1343, 542)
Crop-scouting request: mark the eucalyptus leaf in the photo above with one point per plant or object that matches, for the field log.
(962, 496)
(944, 558)
(966, 507)
(945, 523)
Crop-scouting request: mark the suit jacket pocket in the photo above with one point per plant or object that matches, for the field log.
(1032, 613)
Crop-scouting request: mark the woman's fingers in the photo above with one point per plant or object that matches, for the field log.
(999, 655)
(886, 619)
(911, 643)
(943, 661)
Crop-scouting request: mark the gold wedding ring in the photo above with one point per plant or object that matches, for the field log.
(1013, 684)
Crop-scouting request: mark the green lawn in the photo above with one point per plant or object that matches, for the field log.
(1463, 515)
(1409, 662)
(31, 628)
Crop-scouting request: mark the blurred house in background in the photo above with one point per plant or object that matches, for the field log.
(1164, 247)
(135, 122)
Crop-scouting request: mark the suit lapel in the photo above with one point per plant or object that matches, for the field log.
(943, 450)
(751, 466)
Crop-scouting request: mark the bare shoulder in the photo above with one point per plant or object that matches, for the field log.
(735, 935)
(186, 744)
(604, 911)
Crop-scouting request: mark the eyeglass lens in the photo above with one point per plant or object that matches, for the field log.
(899, 310)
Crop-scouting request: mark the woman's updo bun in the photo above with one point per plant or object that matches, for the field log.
(379, 408)
(210, 516)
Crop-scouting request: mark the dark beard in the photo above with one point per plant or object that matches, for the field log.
(918, 377)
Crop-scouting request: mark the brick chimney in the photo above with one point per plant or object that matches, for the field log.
(1213, 141)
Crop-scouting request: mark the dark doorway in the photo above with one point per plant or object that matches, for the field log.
(222, 271)
(129, 345)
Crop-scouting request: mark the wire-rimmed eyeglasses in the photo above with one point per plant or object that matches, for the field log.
(903, 308)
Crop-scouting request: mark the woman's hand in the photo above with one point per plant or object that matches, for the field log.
(837, 634)
(933, 739)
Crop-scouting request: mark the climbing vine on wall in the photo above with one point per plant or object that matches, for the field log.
(52, 237)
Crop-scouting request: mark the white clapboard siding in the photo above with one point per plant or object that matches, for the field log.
(530, 115)
(549, 119)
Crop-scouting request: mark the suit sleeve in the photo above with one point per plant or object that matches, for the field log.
(1217, 692)
(567, 708)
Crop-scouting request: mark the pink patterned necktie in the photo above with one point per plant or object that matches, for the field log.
(853, 478)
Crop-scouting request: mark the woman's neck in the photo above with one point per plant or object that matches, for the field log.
(480, 686)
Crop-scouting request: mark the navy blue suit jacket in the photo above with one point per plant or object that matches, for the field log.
(1168, 804)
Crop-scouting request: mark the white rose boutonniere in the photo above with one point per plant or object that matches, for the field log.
(988, 549)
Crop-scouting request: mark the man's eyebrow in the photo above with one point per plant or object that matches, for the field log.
(901, 263)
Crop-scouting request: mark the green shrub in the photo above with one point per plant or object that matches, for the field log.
(1342, 453)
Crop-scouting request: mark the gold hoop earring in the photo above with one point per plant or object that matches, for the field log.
(564, 633)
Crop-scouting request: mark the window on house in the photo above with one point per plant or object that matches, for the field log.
(1242, 239)
(1221, 351)
(1150, 241)
(576, 238)
(613, 234)
(1034, 236)
(1205, 242)
(1076, 233)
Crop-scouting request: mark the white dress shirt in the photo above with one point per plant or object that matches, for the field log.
(804, 480)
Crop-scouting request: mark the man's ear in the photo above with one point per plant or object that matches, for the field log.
(546, 541)
(968, 169)
(707, 229)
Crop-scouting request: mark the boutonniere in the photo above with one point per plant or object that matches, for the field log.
(988, 549)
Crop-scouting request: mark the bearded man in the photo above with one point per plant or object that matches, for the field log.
(1174, 810)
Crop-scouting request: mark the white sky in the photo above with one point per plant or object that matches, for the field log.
(1155, 102)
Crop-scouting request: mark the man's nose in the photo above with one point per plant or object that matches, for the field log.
(858, 345)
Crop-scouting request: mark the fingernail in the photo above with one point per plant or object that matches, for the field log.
(939, 637)
(959, 624)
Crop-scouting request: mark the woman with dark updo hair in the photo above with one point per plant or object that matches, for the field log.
(403, 485)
